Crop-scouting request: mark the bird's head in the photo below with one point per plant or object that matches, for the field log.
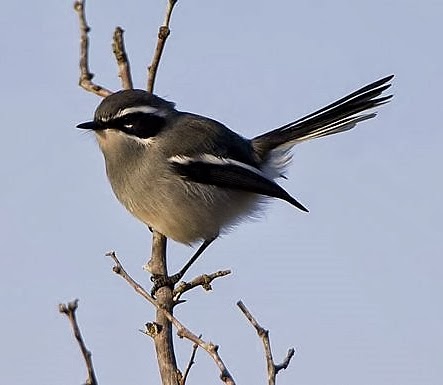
(134, 113)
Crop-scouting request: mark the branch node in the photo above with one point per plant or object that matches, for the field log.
(213, 347)
(152, 329)
(163, 32)
(181, 333)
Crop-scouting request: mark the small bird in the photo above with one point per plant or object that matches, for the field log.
(190, 177)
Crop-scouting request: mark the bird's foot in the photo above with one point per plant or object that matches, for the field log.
(164, 280)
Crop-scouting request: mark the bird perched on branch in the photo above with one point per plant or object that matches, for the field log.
(190, 177)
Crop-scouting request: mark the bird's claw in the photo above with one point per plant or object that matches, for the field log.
(162, 281)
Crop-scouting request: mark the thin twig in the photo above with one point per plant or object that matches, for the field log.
(85, 75)
(286, 361)
(273, 369)
(163, 34)
(182, 331)
(119, 270)
(69, 310)
(190, 363)
(124, 69)
(203, 280)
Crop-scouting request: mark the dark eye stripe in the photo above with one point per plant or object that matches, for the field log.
(139, 124)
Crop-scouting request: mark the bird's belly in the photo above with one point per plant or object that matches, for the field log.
(187, 211)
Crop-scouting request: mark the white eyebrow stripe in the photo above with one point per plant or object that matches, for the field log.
(212, 159)
(132, 110)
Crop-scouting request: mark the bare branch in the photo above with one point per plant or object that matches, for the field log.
(69, 310)
(286, 361)
(163, 34)
(85, 75)
(163, 341)
(161, 330)
(124, 69)
(182, 331)
(273, 369)
(203, 280)
(190, 363)
(210, 348)
(119, 270)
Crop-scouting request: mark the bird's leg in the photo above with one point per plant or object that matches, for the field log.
(173, 279)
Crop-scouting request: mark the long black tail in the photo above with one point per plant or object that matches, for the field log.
(339, 116)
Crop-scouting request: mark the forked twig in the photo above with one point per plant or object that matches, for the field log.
(273, 368)
(85, 75)
(124, 69)
(182, 331)
(203, 280)
(163, 33)
(69, 310)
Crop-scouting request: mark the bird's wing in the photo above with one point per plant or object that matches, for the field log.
(231, 174)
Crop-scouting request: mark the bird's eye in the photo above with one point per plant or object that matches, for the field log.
(127, 122)
(143, 125)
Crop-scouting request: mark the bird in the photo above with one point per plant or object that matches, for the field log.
(190, 177)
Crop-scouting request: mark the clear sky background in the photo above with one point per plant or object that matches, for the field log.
(355, 286)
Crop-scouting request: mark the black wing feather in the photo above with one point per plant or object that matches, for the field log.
(232, 176)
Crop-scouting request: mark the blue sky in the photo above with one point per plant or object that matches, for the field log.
(355, 286)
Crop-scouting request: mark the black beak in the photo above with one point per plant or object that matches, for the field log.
(88, 125)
